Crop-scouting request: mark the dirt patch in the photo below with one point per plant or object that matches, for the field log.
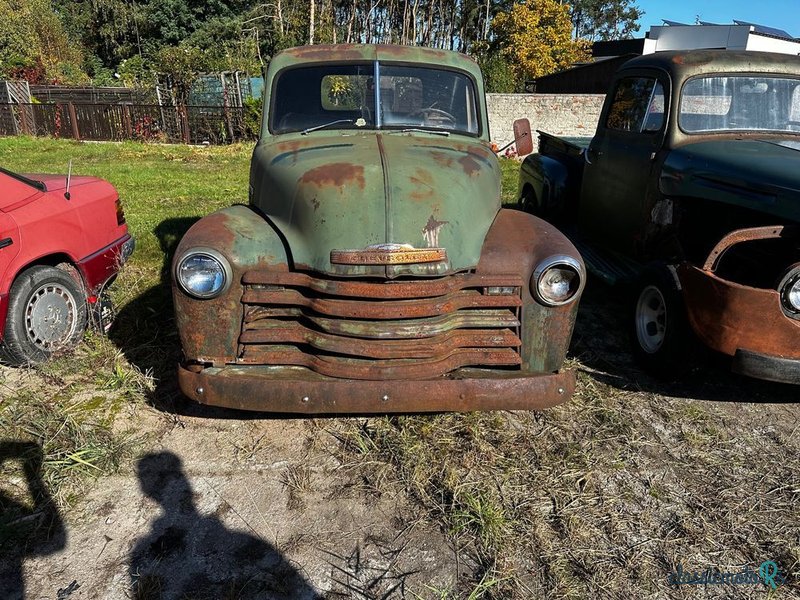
(213, 512)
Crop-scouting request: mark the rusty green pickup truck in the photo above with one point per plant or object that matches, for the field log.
(373, 269)
(690, 188)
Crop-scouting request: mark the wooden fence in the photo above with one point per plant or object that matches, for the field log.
(116, 122)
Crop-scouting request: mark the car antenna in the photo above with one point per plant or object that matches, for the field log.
(69, 177)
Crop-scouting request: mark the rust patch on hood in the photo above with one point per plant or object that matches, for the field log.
(442, 159)
(470, 165)
(335, 175)
(424, 188)
(431, 231)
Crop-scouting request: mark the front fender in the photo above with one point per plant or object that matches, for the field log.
(209, 329)
(517, 243)
(549, 180)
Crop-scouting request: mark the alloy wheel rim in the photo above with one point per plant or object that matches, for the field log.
(51, 317)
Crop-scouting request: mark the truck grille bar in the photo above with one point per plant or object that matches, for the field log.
(361, 329)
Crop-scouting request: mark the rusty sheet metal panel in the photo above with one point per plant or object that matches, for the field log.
(737, 237)
(209, 329)
(727, 316)
(383, 370)
(297, 390)
(391, 330)
(522, 240)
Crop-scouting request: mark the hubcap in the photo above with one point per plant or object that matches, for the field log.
(651, 319)
(50, 317)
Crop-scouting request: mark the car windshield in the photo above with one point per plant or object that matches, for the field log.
(309, 99)
(740, 103)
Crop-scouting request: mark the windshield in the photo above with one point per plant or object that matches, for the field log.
(740, 103)
(307, 99)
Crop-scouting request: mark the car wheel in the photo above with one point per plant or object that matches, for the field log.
(46, 314)
(663, 341)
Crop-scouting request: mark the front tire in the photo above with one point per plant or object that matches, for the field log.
(528, 202)
(663, 342)
(47, 314)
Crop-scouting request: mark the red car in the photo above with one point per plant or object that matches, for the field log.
(62, 242)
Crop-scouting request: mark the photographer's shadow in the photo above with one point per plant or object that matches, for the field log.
(189, 555)
(26, 529)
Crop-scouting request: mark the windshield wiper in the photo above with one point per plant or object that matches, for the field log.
(324, 125)
(39, 185)
(420, 130)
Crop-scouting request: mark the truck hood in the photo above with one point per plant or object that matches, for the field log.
(762, 175)
(329, 192)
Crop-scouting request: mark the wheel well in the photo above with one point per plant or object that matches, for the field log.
(58, 260)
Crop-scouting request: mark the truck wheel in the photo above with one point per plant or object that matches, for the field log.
(527, 200)
(663, 341)
(46, 314)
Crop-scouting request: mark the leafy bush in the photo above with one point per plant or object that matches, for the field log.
(252, 117)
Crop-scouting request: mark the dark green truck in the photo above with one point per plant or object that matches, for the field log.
(691, 189)
(373, 269)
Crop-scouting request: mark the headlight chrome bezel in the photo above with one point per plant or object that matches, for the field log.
(790, 282)
(562, 261)
(208, 253)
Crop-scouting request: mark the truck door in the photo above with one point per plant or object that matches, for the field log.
(620, 160)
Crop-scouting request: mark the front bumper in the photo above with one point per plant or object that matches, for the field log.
(771, 368)
(299, 390)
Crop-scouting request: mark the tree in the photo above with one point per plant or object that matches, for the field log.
(605, 19)
(34, 44)
(535, 37)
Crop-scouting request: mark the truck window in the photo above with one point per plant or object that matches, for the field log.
(638, 105)
(345, 96)
(740, 103)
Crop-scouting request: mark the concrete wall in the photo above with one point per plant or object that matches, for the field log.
(573, 115)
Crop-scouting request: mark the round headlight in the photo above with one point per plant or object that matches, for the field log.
(557, 280)
(789, 289)
(203, 273)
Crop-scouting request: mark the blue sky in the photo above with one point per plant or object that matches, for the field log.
(782, 14)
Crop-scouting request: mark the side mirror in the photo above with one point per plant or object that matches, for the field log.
(522, 137)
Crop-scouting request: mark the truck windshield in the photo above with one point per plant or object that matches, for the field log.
(345, 97)
(740, 103)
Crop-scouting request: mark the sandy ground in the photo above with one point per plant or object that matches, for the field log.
(239, 509)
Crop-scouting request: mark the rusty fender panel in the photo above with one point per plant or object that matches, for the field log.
(520, 241)
(737, 237)
(209, 329)
(251, 388)
(727, 316)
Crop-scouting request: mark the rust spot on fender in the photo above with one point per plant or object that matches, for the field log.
(334, 175)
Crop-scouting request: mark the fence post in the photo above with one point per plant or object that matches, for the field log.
(23, 120)
(73, 119)
(185, 124)
(126, 119)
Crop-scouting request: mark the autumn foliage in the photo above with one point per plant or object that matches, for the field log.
(535, 37)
